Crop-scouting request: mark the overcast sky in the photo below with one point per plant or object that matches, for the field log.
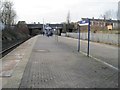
(55, 11)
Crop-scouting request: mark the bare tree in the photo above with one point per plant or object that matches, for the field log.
(118, 13)
(0, 9)
(68, 21)
(109, 14)
(8, 14)
(68, 18)
(0, 4)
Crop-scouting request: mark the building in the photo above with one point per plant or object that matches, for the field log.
(40, 27)
(102, 23)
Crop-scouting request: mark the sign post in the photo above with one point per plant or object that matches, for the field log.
(79, 38)
(88, 38)
(84, 23)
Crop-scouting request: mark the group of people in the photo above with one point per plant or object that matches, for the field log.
(47, 30)
(48, 33)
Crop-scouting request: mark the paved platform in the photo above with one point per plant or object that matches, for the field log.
(53, 64)
(14, 63)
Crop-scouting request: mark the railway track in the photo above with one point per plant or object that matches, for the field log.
(9, 49)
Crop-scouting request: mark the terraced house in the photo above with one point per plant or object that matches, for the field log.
(103, 23)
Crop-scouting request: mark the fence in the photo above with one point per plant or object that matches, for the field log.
(97, 37)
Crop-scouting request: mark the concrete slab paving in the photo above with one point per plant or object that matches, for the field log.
(13, 64)
(53, 64)
(47, 62)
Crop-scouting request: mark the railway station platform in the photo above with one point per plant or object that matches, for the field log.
(47, 62)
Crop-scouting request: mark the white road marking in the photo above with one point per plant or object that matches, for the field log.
(99, 60)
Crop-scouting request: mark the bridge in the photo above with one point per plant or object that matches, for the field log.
(32, 27)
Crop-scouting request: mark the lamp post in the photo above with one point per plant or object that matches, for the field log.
(57, 33)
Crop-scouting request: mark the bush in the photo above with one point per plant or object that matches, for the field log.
(14, 35)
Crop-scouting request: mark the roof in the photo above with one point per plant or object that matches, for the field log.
(110, 20)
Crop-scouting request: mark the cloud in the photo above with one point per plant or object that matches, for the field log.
(56, 10)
